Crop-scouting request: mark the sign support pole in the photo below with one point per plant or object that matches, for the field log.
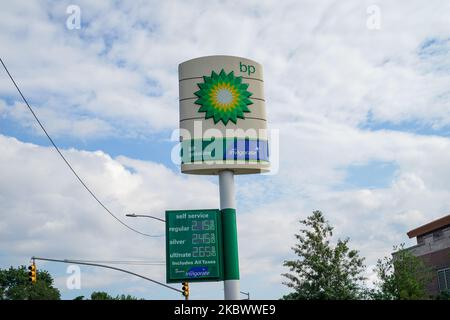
(229, 231)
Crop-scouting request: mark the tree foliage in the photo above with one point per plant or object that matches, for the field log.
(14, 285)
(402, 276)
(323, 271)
(101, 295)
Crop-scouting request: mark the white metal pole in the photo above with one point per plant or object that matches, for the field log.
(226, 189)
(227, 201)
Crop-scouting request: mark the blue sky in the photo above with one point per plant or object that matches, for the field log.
(362, 109)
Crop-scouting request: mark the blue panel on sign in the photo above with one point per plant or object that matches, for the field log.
(263, 150)
(230, 149)
(252, 150)
(240, 149)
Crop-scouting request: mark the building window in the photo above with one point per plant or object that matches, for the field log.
(444, 279)
(437, 235)
(420, 240)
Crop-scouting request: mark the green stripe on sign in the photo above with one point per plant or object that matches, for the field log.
(230, 245)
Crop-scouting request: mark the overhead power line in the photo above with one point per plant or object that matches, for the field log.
(67, 162)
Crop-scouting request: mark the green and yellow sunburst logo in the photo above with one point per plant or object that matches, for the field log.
(223, 97)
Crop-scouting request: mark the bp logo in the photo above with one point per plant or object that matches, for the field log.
(223, 97)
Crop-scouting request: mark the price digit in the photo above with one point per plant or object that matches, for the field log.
(207, 251)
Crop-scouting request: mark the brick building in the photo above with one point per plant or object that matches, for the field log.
(433, 246)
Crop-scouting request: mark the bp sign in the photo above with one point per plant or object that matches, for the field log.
(193, 246)
(223, 121)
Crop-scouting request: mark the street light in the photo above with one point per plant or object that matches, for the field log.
(247, 294)
(133, 215)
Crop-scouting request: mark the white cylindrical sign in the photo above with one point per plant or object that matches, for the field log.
(223, 121)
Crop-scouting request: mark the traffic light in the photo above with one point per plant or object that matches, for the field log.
(32, 273)
(185, 289)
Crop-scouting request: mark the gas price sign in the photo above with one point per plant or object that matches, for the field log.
(193, 245)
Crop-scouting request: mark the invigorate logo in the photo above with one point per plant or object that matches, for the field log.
(196, 272)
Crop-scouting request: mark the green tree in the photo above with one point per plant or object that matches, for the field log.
(402, 276)
(323, 271)
(445, 295)
(101, 295)
(126, 297)
(14, 285)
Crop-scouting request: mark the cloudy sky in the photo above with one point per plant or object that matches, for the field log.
(359, 91)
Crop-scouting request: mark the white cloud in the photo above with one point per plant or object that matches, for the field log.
(321, 61)
(50, 214)
(312, 158)
(47, 213)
